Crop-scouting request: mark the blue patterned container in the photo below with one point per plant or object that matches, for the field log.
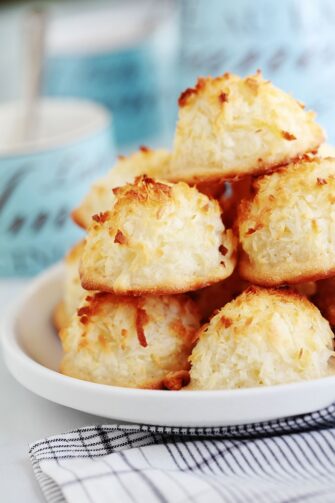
(40, 184)
(126, 82)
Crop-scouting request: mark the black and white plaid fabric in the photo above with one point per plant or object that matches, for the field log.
(288, 460)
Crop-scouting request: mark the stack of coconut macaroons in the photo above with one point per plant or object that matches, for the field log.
(182, 279)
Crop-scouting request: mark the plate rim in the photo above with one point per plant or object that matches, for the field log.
(11, 346)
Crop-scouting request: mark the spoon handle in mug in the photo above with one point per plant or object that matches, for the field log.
(34, 42)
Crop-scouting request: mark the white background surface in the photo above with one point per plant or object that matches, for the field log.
(25, 418)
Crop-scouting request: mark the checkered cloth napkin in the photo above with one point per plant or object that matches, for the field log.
(288, 460)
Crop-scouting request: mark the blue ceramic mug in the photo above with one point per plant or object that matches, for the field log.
(43, 177)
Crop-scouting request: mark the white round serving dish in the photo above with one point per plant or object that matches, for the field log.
(32, 353)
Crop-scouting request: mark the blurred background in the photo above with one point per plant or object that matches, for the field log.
(135, 56)
(132, 58)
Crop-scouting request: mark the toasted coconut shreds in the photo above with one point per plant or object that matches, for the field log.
(120, 238)
(132, 342)
(141, 320)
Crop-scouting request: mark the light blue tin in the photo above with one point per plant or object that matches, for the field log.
(291, 41)
(126, 82)
(122, 56)
(44, 178)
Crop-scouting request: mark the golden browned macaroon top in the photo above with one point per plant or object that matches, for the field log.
(158, 238)
(263, 337)
(232, 127)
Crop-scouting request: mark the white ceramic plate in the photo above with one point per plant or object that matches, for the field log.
(32, 353)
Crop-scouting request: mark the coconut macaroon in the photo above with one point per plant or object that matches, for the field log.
(139, 342)
(158, 238)
(231, 127)
(214, 297)
(287, 229)
(73, 292)
(262, 338)
(101, 197)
